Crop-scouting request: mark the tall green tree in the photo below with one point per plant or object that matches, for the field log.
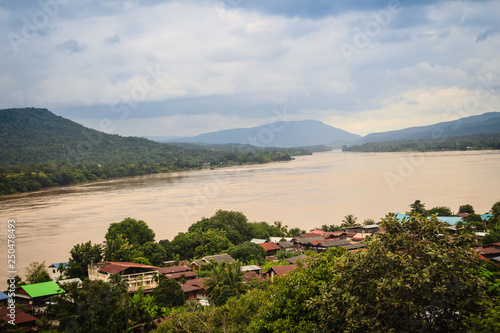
(154, 252)
(248, 252)
(418, 207)
(118, 249)
(36, 273)
(168, 293)
(235, 224)
(213, 241)
(413, 277)
(349, 221)
(467, 208)
(440, 211)
(81, 255)
(136, 232)
(226, 281)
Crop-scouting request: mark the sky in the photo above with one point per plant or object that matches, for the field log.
(181, 68)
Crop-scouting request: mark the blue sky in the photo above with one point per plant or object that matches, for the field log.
(189, 67)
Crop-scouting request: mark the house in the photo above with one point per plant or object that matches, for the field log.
(278, 239)
(176, 272)
(252, 276)
(3, 299)
(193, 290)
(23, 321)
(37, 294)
(137, 275)
(354, 246)
(301, 243)
(280, 270)
(286, 246)
(258, 241)
(219, 258)
(271, 248)
(323, 245)
(451, 220)
(334, 235)
(370, 229)
(56, 270)
(353, 230)
(489, 251)
(359, 237)
(61, 283)
(251, 268)
(293, 260)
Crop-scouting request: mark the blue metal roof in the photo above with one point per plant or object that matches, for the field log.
(451, 220)
(485, 217)
(401, 217)
(3, 296)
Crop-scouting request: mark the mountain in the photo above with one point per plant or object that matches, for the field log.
(279, 134)
(33, 135)
(481, 124)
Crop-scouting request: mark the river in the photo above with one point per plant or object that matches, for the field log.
(307, 192)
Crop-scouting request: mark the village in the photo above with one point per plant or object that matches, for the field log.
(287, 253)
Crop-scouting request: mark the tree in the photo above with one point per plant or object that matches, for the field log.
(417, 207)
(225, 282)
(369, 222)
(154, 252)
(136, 232)
(495, 210)
(349, 221)
(81, 255)
(168, 293)
(413, 277)
(294, 232)
(118, 249)
(466, 209)
(248, 252)
(235, 224)
(213, 241)
(440, 211)
(36, 273)
(283, 229)
(184, 245)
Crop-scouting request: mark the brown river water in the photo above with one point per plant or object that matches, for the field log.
(307, 192)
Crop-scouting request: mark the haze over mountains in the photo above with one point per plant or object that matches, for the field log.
(313, 132)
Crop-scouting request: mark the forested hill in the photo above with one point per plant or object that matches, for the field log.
(32, 135)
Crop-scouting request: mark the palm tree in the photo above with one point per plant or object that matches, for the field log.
(349, 220)
(226, 281)
(282, 228)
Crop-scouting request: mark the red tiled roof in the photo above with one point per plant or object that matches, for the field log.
(316, 242)
(177, 275)
(251, 276)
(281, 270)
(193, 285)
(311, 234)
(317, 232)
(487, 250)
(173, 269)
(269, 246)
(116, 267)
(21, 317)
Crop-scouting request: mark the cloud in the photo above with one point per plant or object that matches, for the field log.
(115, 39)
(488, 33)
(72, 46)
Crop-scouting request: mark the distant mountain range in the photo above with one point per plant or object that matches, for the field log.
(283, 134)
(313, 132)
(482, 124)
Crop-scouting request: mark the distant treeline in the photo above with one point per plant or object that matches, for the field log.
(33, 177)
(469, 142)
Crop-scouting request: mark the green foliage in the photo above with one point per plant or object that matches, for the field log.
(154, 252)
(349, 221)
(184, 245)
(136, 232)
(418, 207)
(81, 255)
(466, 209)
(248, 252)
(225, 282)
(440, 211)
(235, 224)
(36, 273)
(96, 307)
(466, 142)
(213, 241)
(168, 293)
(495, 210)
(414, 269)
(294, 232)
(118, 249)
(39, 149)
(486, 321)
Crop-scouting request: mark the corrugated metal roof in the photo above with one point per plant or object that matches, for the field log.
(305, 240)
(177, 275)
(285, 245)
(20, 317)
(270, 246)
(250, 268)
(281, 270)
(173, 269)
(42, 289)
(293, 260)
(3, 296)
(258, 241)
(224, 257)
(451, 220)
(333, 243)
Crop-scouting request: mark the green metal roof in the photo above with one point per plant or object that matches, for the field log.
(43, 289)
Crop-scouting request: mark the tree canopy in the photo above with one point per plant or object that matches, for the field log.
(136, 232)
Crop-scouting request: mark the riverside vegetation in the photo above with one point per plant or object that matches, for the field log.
(413, 277)
(39, 150)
